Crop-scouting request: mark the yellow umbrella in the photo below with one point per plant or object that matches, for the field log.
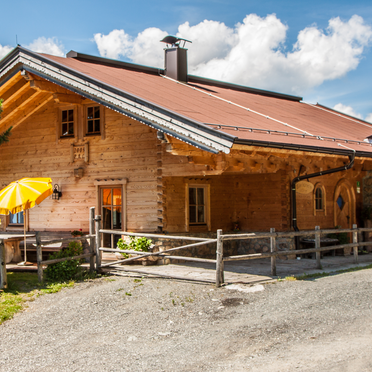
(24, 194)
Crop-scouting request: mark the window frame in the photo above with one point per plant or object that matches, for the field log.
(60, 123)
(320, 187)
(17, 223)
(206, 223)
(85, 120)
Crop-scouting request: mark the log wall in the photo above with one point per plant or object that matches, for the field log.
(128, 151)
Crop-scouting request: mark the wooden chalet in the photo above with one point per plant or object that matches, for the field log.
(160, 150)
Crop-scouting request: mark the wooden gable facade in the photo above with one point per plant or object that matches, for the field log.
(150, 169)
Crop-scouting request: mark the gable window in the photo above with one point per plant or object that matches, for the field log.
(93, 120)
(197, 205)
(67, 123)
(319, 199)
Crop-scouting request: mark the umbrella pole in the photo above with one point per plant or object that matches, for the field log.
(24, 234)
(24, 263)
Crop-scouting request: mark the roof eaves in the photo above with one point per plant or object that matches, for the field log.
(178, 126)
(297, 147)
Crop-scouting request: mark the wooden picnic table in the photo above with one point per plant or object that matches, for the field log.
(11, 245)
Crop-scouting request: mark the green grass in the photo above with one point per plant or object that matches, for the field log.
(24, 287)
(324, 274)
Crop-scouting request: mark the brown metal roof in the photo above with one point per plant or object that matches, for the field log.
(251, 117)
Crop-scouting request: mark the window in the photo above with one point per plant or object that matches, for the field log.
(16, 219)
(93, 120)
(319, 199)
(197, 206)
(67, 123)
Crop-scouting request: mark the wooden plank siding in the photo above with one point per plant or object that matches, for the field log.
(128, 151)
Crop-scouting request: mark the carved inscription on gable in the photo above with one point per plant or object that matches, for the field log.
(79, 151)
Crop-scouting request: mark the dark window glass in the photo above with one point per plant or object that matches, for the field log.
(192, 216)
(196, 205)
(93, 119)
(192, 196)
(318, 199)
(16, 218)
(340, 202)
(67, 121)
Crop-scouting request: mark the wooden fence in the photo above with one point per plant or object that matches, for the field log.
(141, 255)
(273, 254)
(95, 238)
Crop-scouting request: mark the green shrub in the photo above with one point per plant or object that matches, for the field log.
(136, 244)
(65, 270)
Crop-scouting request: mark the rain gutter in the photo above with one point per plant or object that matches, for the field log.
(312, 175)
(307, 176)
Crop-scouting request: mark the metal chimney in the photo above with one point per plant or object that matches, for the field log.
(175, 58)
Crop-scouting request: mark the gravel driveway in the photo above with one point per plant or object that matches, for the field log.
(126, 324)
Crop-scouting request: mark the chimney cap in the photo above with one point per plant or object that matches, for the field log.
(174, 40)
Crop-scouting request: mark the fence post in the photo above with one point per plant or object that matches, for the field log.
(91, 220)
(273, 250)
(98, 243)
(39, 257)
(219, 260)
(91, 240)
(317, 245)
(3, 278)
(355, 240)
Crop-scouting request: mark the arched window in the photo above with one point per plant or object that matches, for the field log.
(319, 199)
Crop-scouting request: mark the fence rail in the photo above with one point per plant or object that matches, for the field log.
(95, 238)
(39, 253)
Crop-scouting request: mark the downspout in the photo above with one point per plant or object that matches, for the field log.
(317, 174)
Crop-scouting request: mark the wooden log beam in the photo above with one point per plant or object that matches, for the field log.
(46, 86)
(29, 97)
(25, 114)
(15, 79)
(67, 98)
(15, 92)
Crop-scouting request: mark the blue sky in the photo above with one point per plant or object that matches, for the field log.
(228, 47)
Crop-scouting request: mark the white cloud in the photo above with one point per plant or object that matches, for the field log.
(369, 117)
(47, 45)
(253, 52)
(348, 110)
(4, 50)
(143, 49)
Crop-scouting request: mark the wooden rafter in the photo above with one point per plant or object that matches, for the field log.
(46, 86)
(15, 79)
(67, 98)
(13, 94)
(25, 114)
(19, 105)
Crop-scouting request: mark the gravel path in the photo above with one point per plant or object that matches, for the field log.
(126, 324)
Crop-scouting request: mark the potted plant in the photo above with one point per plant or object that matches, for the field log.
(76, 233)
(132, 243)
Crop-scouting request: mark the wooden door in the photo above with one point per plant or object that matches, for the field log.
(111, 211)
(343, 207)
